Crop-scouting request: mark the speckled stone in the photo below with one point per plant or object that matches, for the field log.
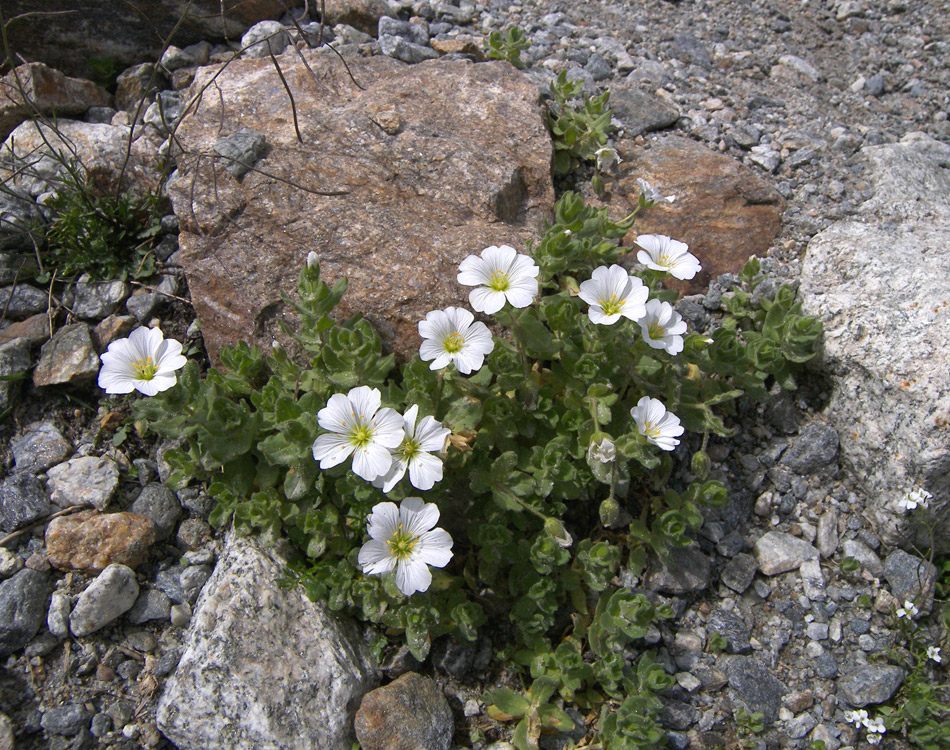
(408, 713)
(90, 541)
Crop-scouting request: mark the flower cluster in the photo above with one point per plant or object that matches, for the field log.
(875, 727)
(916, 497)
(908, 610)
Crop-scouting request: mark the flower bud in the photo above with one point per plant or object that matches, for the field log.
(312, 259)
(554, 528)
(602, 449)
(609, 512)
(700, 464)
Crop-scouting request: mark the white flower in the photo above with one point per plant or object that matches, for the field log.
(656, 424)
(664, 254)
(661, 326)
(500, 275)
(450, 335)
(357, 425)
(875, 726)
(607, 158)
(858, 718)
(414, 453)
(145, 362)
(405, 539)
(933, 653)
(908, 610)
(612, 293)
(312, 259)
(650, 196)
(917, 496)
(604, 451)
(874, 739)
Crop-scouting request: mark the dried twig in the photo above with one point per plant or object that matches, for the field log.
(19, 532)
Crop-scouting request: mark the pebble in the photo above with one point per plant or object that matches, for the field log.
(23, 500)
(69, 358)
(731, 627)
(97, 299)
(110, 595)
(180, 615)
(68, 720)
(9, 563)
(408, 713)
(151, 604)
(864, 555)
(57, 619)
(911, 579)
(815, 448)
(23, 601)
(871, 685)
(87, 480)
(265, 38)
(778, 552)
(40, 447)
(240, 150)
(193, 578)
(813, 582)
(827, 534)
(90, 541)
(159, 504)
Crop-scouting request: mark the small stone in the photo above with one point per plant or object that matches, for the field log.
(39, 448)
(864, 555)
(168, 580)
(23, 501)
(739, 572)
(192, 579)
(9, 563)
(827, 536)
(112, 328)
(158, 503)
(817, 631)
(265, 38)
(34, 330)
(110, 595)
(151, 604)
(100, 725)
(911, 579)
(753, 687)
(875, 85)
(193, 533)
(411, 32)
(129, 669)
(683, 570)
(87, 480)
(799, 701)
(401, 49)
(731, 627)
(97, 299)
(688, 682)
(800, 65)
(815, 448)
(813, 582)
(240, 150)
(778, 552)
(14, 360)
(22, 301)
(137, 83)
(872, 684)
(90, 541)
(598, 67)
(765, 157)
(452, 657)
(57, 619)
(68, 357)
(409, 713)
(180, 615)
(800, 726)
(825, 666)
(66, 721)
(23, 600)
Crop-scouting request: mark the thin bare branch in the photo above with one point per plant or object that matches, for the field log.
(290, 95)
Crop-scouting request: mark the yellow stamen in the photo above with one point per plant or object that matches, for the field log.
(144, 369)
(611, 305)
(453, 343)
(498, 281)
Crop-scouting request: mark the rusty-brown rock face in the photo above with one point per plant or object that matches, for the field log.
(723, 211)
(91, 541)
(392, 184)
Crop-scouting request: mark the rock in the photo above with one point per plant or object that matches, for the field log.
(23, 600)
(112, 328)
(174, 58)
(33, 330)
(640, 112)
(137, 83)
(872, 684)
(151, 604)
(57, 618)
(35, 88)
(778, 552)
(21, 218)
(9, 563)
(765, 157)
(363, 15)
(911, 579)
(403, 224)
(731, 627)
(682, 570)
(813, 582)
(98, 149)
(23, 300)
(158, 503)
(815, 448)
(14, 360)
(739, 572)
(408, 713)
(890, 400)
(90, 541)
(240, 150)
(193, 578)
(67, 358)
(68, 41)
(23, 500)
(66, 721)
(689, 49)
(110, 595)
(86, 480)
(875, 85)
(752, 687)
(864, 555)
(827, 536)
(40, 447)
(264, 39)
(801, 66)
(263, 666)
(411, 32)
(723, 211)
(407, 52)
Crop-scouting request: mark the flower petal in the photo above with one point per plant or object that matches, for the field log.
(424, 471)
(435, 548)
(412, 576)
(383, 522)
(331, 449)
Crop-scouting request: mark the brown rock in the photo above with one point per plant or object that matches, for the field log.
(68, 357)
(462, 163)
(462, 44)
(34, 329)
(360, 14)
(90, 541)
(723, 211)
(36, 88)
(112, 328)
(407, 714)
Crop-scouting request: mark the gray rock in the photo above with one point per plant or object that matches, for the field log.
(731, 627)
(18, 215)
(23, 600)
(813, 582)
(142, 304)
(22, 301)
(14, 360)
(240, 150)
(598, 67)
(180, 615)
(100, 725)
(778, 552)
(825, 666)
(193, 578)
(175, 59)
(40, 447)
(9, 563)
(678, 715)
(782, 413)
(872, 684)
(827, 536)
(110, 595)
(263, 666)
(407, 52)
(683, 570)
(911, 579)
(57, 618)
(68, 357)
(765, 157)
(86, 480)
(97, 299)
(264, 39)
(875, 85)
(752, 686)
(163, 114)
(802, 66)
(138, 82)
(151, 604)
(23, 500)
(159, 503)
(411, 32)
(739, 572)
(408, 712)
(814, 448)
(689, 49)
(800, 726)
(864, 555)
(452, 657)
(640, 112)
(886, 398)
(66, 721)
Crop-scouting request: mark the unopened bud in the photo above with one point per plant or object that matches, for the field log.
(609, 512)
(312, 259)
(602, 449)
(700, 464)
(555, 529)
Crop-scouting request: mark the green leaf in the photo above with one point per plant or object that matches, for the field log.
(509, 702)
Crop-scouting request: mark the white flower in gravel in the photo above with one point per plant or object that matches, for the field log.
(613, 293)
(451, 335)
(415, 453)
(607, 158)
(908, 610)
(499, 275)
(146, 362)
(656, 424)
(650, 196)
(874, 739)
(917, 496)
(404, 539)
(933, 653)
(664, 254)
(856, 717)
(662, 326)
(875, 726)
(357, 425)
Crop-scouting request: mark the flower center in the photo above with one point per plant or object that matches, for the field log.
(402, 543)
(498, 281)
(656, 331)
(361, 436)
(650, 429)
(453, 343)
(144, 369)
(664, 260)
(409, 449)
(611, 305)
